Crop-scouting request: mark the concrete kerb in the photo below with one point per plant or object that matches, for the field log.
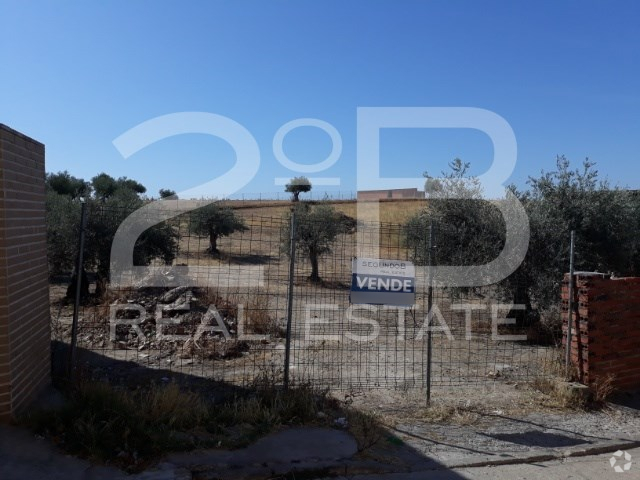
(258, 465)
(552, 454)
(326, 451)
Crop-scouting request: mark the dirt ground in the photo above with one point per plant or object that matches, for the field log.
(374, 349)
(348, 355)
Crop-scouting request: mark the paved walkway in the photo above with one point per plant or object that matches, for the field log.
(320, 453)
(593, 467)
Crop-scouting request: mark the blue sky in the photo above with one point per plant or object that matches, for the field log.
(564, 74)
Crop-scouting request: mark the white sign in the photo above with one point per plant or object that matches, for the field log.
(383, 282)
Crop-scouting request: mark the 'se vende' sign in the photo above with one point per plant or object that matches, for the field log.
(383, 282)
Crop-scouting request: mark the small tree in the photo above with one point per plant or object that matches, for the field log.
(298, 185)
(63, 183)
(167, 193)
(105, 185)
(604, 218)
(111, 203)
(63, 225)
(215, 221)
(470, 230)
(317, 229)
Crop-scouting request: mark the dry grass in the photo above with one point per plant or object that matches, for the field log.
(440, 412)
(265, 232)
(558, 394)
(227, 305)
(552, 365)
(365, 427)
(258, 316)
(130, 428)
(391, 211)
(394, 212)
(553, 382)
(603, 387)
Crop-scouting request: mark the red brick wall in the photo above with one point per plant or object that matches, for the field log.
(606, 329)
(24, 299)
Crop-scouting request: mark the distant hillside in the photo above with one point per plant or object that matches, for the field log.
(391, 211)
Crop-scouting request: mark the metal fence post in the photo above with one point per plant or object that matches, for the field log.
(292, 257)
(76, 304)
(429, 307)
(570, 306)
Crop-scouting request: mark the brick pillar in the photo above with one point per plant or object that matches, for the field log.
(25, 361)
(606, 328)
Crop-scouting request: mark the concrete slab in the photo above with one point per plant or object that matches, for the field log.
(318, 452)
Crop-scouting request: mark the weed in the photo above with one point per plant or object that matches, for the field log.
(132, 427)
(172, 407)
(447, 413)
(561, 394)
(602, 388)
(365, 427)
(257, 315)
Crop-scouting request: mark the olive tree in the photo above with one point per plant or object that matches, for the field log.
(63, 225)
(104, 185)
(63, 183)
(104, 216)
(316, 231)
(298, 185)
(111, 202)
(469, 229)
(604, 218)
(472, 232)
(215, 221)
(167, 193)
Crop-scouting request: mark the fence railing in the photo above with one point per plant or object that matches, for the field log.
(258, 314)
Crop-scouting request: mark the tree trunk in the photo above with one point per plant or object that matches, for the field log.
(84, 287)
(101, 284)
(213, 243)
(295, 196)
(313, 257)
(521, 297)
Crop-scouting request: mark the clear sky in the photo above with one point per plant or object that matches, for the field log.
(564, 74)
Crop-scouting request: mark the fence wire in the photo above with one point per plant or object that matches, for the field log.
(235, 331)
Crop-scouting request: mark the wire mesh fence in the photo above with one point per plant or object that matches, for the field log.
(231, 324)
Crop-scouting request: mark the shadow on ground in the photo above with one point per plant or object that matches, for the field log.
(534, 438)
(289, 452)
(321, 452)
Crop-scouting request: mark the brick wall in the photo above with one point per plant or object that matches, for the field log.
(605, 328)
(24, 298)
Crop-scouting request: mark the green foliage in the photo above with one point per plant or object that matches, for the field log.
(131, 428)
(470, 231)
(455, 184)
(167, 193)
(63, 183)
(112, 202)
(467, 229)
(215, 221)
(105, 185)
(605, 220)
(63, 225)
(103, 219)
(317, 229)
(298, 185)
